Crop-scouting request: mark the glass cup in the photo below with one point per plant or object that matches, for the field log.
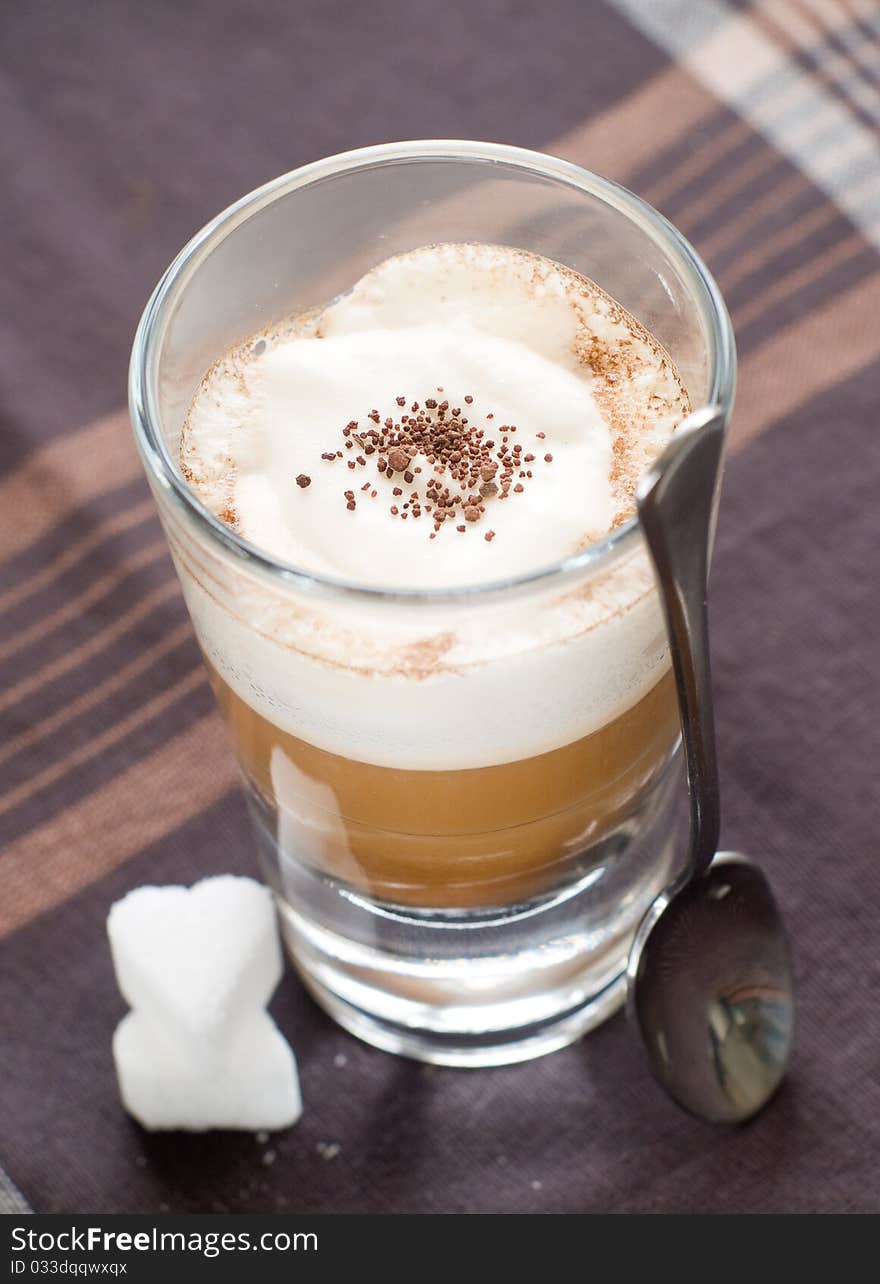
(464, 801)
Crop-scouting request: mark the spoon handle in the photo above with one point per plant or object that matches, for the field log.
(677, 504)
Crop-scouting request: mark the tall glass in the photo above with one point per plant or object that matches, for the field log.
(462, 800)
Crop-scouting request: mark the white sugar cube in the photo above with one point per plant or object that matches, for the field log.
(195, 961)
(199, 1050)
(253, 1084)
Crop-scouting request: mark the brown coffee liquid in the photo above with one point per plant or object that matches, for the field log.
(476, 837)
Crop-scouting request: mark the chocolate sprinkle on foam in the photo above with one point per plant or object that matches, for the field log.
(467, 472)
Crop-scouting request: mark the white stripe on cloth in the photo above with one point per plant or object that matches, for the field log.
(11, 1198)
(865, 52)
(845, 71)
(749, 72)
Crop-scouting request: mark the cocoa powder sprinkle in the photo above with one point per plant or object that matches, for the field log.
(398, 460)
(468, 470)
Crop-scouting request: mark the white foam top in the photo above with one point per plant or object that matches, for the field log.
(517, 334)
(534, 345)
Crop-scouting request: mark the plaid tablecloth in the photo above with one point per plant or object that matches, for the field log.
(754, 127)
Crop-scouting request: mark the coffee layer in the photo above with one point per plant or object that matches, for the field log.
(453, 838)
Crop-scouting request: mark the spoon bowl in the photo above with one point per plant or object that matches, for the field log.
(711, 992)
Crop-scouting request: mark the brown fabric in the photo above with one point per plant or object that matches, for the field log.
(123, 133)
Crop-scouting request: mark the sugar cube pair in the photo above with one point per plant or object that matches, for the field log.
(198, 1049)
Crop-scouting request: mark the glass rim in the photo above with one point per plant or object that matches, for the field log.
(143, 367)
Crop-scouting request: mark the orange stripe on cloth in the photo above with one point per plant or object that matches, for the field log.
(151, 555)
(143, 659)
(94, 645)
(76, 551)
(824, 347)
(617, 141)
(63, 475)
(155, 796)
(97, 745)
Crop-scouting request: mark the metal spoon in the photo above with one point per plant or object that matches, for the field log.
(709, 972)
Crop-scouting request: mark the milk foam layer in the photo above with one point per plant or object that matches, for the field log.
(526, 342)
(420, 686)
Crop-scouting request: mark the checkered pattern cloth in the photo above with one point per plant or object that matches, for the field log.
(754, 127)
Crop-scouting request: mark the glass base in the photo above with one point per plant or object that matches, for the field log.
(522, 1042)
(478, 987)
